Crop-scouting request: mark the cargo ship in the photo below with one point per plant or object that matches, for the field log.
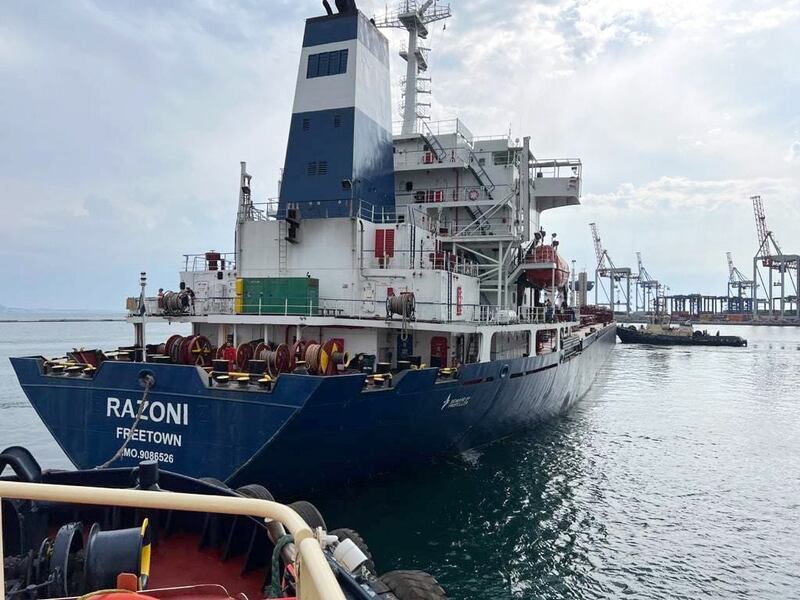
(398, 300)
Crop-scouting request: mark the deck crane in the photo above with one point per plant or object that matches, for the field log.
(646, 286)
(616, 275)
(740, 289)
(771, 256)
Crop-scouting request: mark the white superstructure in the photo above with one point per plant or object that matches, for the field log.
(458, 234)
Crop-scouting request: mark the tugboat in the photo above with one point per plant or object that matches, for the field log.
(664, 334)
(141, 534)
(399, 299)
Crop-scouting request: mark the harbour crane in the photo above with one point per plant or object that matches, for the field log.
(616, 275)
(645, 286)
(770, 255)
(744, 289)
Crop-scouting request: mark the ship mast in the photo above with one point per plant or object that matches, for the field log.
(415, 19)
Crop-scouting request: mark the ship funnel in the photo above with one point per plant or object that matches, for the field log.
(341, 120)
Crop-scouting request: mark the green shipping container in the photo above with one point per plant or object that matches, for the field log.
(281, 295)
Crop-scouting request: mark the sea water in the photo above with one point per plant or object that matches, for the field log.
(677, 476)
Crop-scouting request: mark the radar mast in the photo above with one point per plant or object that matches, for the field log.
(415, 17)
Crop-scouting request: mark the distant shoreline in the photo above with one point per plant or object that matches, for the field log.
(65, 320)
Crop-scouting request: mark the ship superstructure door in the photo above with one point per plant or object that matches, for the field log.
(439, 351)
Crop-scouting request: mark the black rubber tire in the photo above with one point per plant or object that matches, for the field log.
(309, 513)
(253, 490)
(413, 585)
(344, 533)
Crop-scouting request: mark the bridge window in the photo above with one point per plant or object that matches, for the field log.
(501, 158)
(327, 63)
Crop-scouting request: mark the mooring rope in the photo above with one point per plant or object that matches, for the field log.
(148, 381)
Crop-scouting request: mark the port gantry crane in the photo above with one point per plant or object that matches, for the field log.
(616, 275)
(741, 290)
(771, 257)
(647, 288)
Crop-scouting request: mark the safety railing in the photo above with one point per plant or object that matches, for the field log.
(458, 156)
(444, 127)
(482, 227)
(367, 308)
(557, 167)
(315, 578)
(210, 261)
(352, 207)
(502, 315)
(419, 260)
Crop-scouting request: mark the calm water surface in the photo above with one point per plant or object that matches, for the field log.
(678, 476)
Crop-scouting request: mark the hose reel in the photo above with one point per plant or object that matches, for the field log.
(325, 359)
(63, 566)
(277, 359)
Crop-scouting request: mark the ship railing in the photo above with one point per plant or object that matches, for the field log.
(451, 156)
(210, 261)
(337, 207)
(428, 260)
(368, 308)
(443, 127)
(437, 194)
(316, 580)
(557, 167)
(503, 315)
(482, 227)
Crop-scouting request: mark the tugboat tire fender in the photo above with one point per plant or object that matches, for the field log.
(309, 513)
(344, 533)
(413, 585)
(253, 490)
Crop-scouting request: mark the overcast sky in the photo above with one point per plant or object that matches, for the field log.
(122, 124)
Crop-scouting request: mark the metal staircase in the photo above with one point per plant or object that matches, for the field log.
(480, 223)
(484, 180)
(480, 173)
(433, 142)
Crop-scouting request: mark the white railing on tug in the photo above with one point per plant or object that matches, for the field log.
(315, 580)
(372, 309)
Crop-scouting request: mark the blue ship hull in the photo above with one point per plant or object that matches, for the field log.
(308, 431)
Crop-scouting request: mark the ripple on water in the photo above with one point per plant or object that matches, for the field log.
(676, 477)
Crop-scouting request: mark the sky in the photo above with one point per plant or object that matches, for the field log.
(122, 125)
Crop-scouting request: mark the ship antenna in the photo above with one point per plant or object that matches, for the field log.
(415, 19)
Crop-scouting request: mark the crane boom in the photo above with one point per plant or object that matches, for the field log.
(761, 221)
(731, 268)
(598, 247)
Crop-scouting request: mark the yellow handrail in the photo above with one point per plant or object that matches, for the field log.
(315, 579)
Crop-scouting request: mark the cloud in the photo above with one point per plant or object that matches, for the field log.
(691, 197)
(794, 152)
(682, 226)
(123, 124)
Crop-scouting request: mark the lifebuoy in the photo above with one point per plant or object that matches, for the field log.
(473, 195)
